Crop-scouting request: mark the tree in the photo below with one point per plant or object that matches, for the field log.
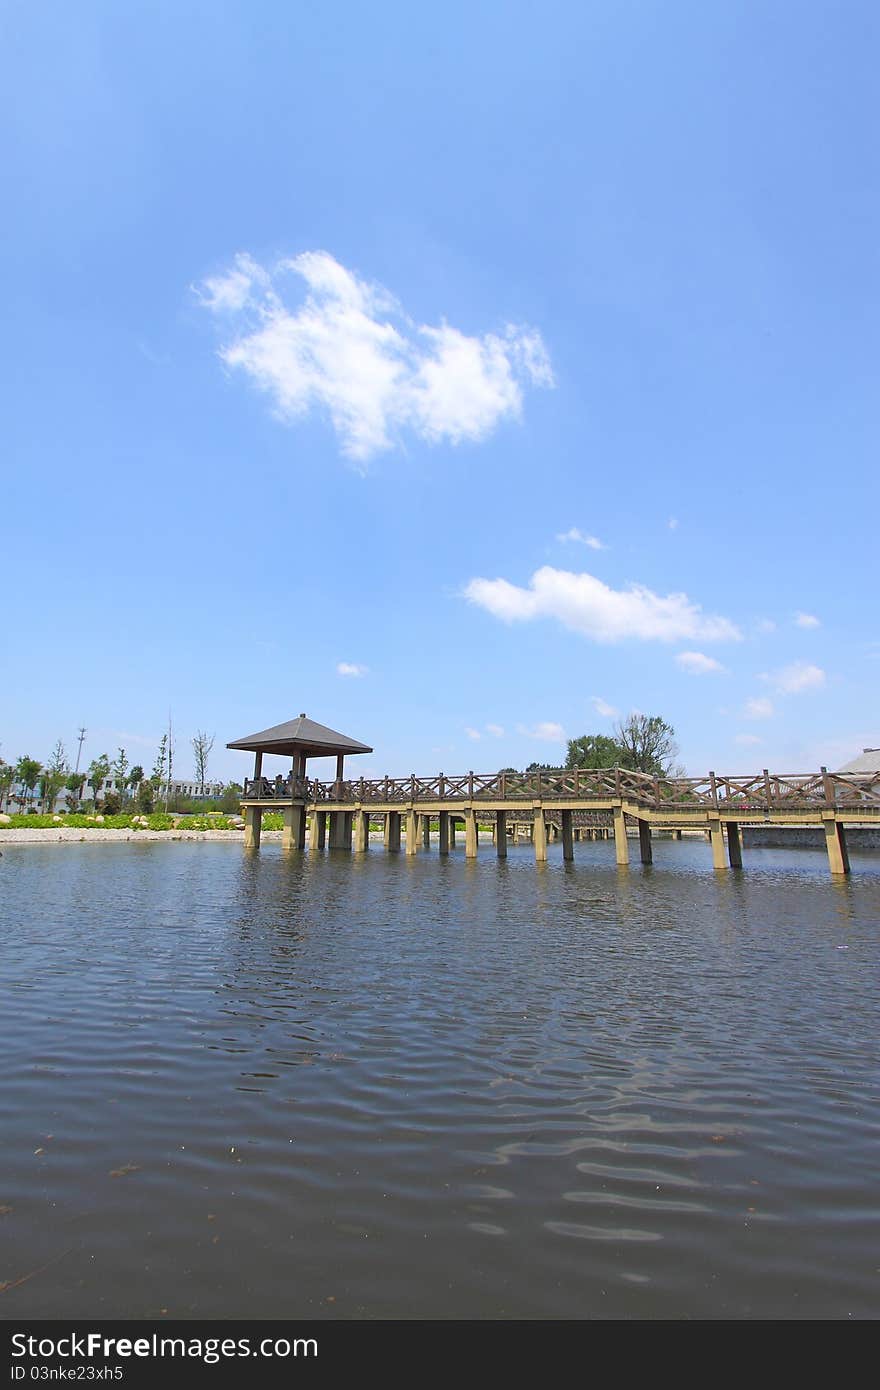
(27, 771)
(7, 774)
(146, 797)
(541, 767)
(53, 776)
(135, 777)
(160, 767)
(647, 744)
(99, 769)
(593, 750)
(120, 771)
(231, 797)
(74, 786)
(202, 745)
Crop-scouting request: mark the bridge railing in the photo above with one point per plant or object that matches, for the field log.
(759, 792)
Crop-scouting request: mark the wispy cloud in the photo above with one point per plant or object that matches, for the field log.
(758, 707)
(313, 335)
(584, 604)
(697, 664)
(747, 740)
(793, 679)
(547, 732)
(495, 730)
(351, 668)
(603, 708)
(806, 620)
(765, 625)
(574, 534)
(672, 523)
(473, 733)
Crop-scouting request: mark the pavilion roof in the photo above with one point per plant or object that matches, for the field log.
(300, 735)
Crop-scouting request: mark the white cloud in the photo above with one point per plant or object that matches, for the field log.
(603, 708)
(584, 604)
(791, 680)
(495, 730)
(748, 740)
(351, 668)
(547, 732)
(348, 349)
(672, 523)
(575, 535)
(758, 708)
(765, 625)
(806, 620)
(473, 733)
(696, 664)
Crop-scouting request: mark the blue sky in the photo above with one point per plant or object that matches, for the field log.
(521, 359)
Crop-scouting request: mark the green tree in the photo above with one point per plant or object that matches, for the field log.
(27, 772)
(135, 777)
(160, 767)
(7, 776)
(99, 769)
(119, 770)
(53, 776)
(231, 798)
(146, 797)
(74, 786)
(647, 744)
(593, 750)
(541, 767)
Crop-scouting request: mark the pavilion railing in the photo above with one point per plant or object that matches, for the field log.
(761, 792)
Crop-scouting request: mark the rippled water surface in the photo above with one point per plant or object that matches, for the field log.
(239, 1085)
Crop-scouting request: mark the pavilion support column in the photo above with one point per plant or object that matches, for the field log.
(567, 836)
(621, 843)
(361, 831)
(340, 829)
(444, 832)
(426, 832)
(294, 828)
(392, 831)
(835, 844)
(470, 833)
(716, 835)
(646, 853)
(317, 829)
(253, 824)
(412, 832)
(734, 845)
(539, 834)
(501, 834)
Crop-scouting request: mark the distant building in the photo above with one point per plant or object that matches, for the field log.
(868, 761)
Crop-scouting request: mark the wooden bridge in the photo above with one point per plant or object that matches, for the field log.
(407, 806)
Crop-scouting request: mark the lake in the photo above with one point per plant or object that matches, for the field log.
(380, 1086)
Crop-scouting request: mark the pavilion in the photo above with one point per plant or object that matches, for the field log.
(299, 739)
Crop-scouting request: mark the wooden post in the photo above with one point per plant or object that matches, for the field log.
(501, 834)
(621, 843)
(567, 836)
(646, 853)
(539, 834)
(426, 832)
(451, 831)
(412, 834)
(393, 831)
(835, 844)
(253, 822)
(716, 835)
(470, 833)
(444, 832)
(734, 845)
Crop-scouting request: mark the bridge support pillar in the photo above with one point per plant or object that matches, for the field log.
(444, 832)
(317, 829)
(426, 832)
(567, 836)
(539, 835)
(340, 829)
(716, 835)
(621, 844)
(470, 833)
(361, 831)
(501, 834)
(451, 831)
(835, 844)
(734, 845)
(293, 833)
(392, 831)
(646, 852)
(253, 824)
(412, 833)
